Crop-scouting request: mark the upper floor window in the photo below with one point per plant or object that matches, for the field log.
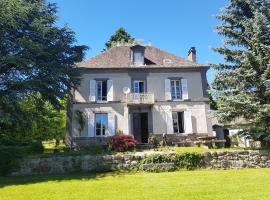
(176, 90)
(138, 58)
(101, 90)
(138, 87)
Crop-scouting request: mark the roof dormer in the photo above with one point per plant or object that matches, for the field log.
(137, 55)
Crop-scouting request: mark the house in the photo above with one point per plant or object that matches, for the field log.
(138, 90)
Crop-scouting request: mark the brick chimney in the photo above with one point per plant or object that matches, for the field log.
(192, 54)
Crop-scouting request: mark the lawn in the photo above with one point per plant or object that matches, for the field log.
(200, 184)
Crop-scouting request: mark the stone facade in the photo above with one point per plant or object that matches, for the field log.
(89, 163)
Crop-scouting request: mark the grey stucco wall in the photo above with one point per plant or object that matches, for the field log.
(197, 104)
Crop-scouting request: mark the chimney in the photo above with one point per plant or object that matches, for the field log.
(192, 54)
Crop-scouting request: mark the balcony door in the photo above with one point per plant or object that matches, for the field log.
(139, 86)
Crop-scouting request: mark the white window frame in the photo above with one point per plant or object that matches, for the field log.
(140, 58)
(97, 95)
(100, 130)
(174, 93)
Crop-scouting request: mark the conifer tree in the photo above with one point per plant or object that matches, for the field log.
(121, 36)
(242, 84)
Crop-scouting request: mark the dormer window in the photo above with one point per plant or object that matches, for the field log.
(138, 55)
(138, 58)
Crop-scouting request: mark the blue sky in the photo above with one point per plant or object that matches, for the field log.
(172, 25)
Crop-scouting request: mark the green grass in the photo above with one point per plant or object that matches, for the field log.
(244, 184)
(180, 150)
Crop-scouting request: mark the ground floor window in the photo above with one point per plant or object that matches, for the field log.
(101, 120)
(178, 122)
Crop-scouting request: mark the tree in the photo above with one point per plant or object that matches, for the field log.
(242, 82)
(37, 59)
(213, 103)
(120, 36)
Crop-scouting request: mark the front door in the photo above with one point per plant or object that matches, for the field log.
(140, 127)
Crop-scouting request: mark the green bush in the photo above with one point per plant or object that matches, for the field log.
(32, 146)
(189, 161)
(95, 149)
(157, 158)
(9, 158)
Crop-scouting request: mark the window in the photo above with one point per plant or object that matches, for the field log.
(138, 58)
(176, 91)
(178, 123)
(101, 121)
(138, 87)
(102, 90)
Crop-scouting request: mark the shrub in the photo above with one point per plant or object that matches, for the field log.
(157, 158)
(29, 145)
(36, 147)
(189, 160)
(122, 143)
(95, 149)
(9, 158)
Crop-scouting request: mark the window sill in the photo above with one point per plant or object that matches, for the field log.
(101, 101)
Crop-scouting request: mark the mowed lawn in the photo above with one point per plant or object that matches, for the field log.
(200, 184)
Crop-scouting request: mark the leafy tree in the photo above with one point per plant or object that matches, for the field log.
(36, 60)
(41, 120)
(242, 82)
(120, 36)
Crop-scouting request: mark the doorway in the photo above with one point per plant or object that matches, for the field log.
(140, 127)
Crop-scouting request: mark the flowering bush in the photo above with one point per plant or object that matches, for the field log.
(122, 143)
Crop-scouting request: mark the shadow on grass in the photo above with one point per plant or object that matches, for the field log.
(25, 180)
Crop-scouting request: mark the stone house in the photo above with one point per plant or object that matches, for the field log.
(138, 90)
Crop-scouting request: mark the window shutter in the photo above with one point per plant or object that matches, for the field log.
(91, 124)
(184, 88)
(111, 124)
(168, 95)
(109, 90)
(169, 122)
(92, 96)
(188, 122)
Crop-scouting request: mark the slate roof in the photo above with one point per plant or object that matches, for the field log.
(120, 57)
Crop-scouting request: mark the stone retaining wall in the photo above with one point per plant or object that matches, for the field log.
(88, 163)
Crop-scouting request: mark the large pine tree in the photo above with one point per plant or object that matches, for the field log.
(241, 84)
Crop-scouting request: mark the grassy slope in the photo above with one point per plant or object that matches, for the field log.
(206, 184)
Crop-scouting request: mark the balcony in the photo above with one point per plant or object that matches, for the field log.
(140, 98)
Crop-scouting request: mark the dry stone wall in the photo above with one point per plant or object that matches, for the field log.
(90, 163)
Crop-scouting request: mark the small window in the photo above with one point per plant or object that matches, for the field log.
(138, 87)
(101, 124)
(138, 58)
(178, 122)
(176, 90)
(102, 90)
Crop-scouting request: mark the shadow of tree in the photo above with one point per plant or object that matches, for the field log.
(25, 180)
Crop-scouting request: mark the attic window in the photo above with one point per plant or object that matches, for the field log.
(138, 58)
